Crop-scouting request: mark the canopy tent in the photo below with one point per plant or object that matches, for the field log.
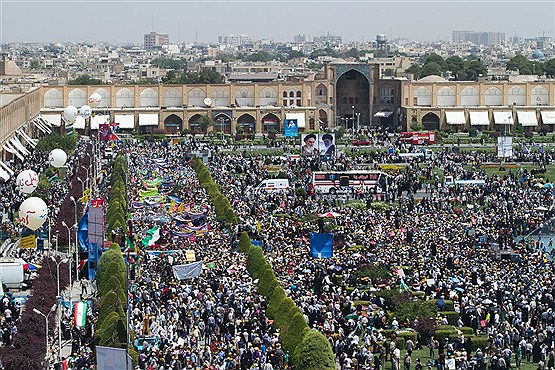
(329, 214)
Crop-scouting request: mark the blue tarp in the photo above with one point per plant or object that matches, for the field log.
(83, 231)
(321, 245)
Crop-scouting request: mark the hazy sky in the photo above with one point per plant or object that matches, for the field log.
(128, 21)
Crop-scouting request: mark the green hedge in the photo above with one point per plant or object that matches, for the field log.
(315, 352)
(478, 342)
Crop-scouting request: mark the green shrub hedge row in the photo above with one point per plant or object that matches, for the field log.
(117, 203)
(222, 207)
(111, 276)
(309, 350)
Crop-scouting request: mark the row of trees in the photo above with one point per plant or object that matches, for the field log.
(471, 67)
(454, 67)
(309, 350)
(28, 348)
(111, 276)
(222, 207)
(115, 213)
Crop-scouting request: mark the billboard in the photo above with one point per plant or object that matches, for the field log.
(505, 146)
(291, 128)
(318, 144)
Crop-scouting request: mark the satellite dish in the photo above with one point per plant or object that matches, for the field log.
(208, 102)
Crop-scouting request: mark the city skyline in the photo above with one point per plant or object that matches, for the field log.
(204, 21)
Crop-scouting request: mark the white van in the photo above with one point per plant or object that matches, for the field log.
(273, 185)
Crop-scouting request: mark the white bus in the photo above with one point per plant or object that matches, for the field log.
(334, 182)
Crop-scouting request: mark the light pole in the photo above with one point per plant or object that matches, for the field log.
(46, 333)
(353, 117)
(76, 237)
(221, 119)
(59, 298)
(88, 175)
(69, 252)
(82, 185)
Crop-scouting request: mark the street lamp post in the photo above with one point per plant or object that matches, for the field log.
(353, 117)
(82, 185)
(88, 175)
(46, 333)
(59, 299)
(69, 253)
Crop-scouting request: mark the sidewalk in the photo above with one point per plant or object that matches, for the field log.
(66, 344)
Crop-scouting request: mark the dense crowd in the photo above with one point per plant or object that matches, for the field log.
(447, 238)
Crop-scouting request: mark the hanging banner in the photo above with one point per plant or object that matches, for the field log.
(28, 242)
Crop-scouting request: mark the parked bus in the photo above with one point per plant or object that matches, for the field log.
(334, 182)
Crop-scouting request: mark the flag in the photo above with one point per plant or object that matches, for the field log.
(188, 271)
(525, 149)
(80, 314)
(541, 148)
(54, 177)
(152, 237)
(104, 131)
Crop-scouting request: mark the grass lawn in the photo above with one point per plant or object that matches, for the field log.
(423, 355)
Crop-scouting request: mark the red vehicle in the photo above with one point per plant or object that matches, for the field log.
(418, 138)
(361, 142)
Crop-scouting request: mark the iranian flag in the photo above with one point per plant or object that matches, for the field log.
(80, 314)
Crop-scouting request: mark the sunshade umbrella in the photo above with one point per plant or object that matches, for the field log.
(487, 301)
(547, 185)
(329, 215)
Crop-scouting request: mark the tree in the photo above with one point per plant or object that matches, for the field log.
(431, 68)
(474, 69)
(434, 58)
(259, 56)
(415, 70)
(550, 68)
(205, 76)
(457, 67)
(205, 122)
(315, 352)
(34, 64)
(85, 80)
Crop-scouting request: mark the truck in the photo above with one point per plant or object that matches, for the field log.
(11, 272)
(272, 185)
(418, 138)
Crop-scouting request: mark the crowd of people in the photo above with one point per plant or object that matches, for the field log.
(449, 239)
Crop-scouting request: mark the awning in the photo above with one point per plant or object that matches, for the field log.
(29, 141)
(527, 118)
(9, 148)
(383, 114)
(300, 117)
(503, 118)
(41, 126)
(98, 120)
(480, 118)
(6, 168)
(125, 120)
(548, 117)
(79, 123)
(4, 175)
(53, 119)
(148, 119)
(17, 144)
(455, 118)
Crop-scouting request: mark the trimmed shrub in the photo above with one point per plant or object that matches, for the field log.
(315, 352)
(452, 317)
(466, 330)
(244, 243)
(292, 333)
(442, 334)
